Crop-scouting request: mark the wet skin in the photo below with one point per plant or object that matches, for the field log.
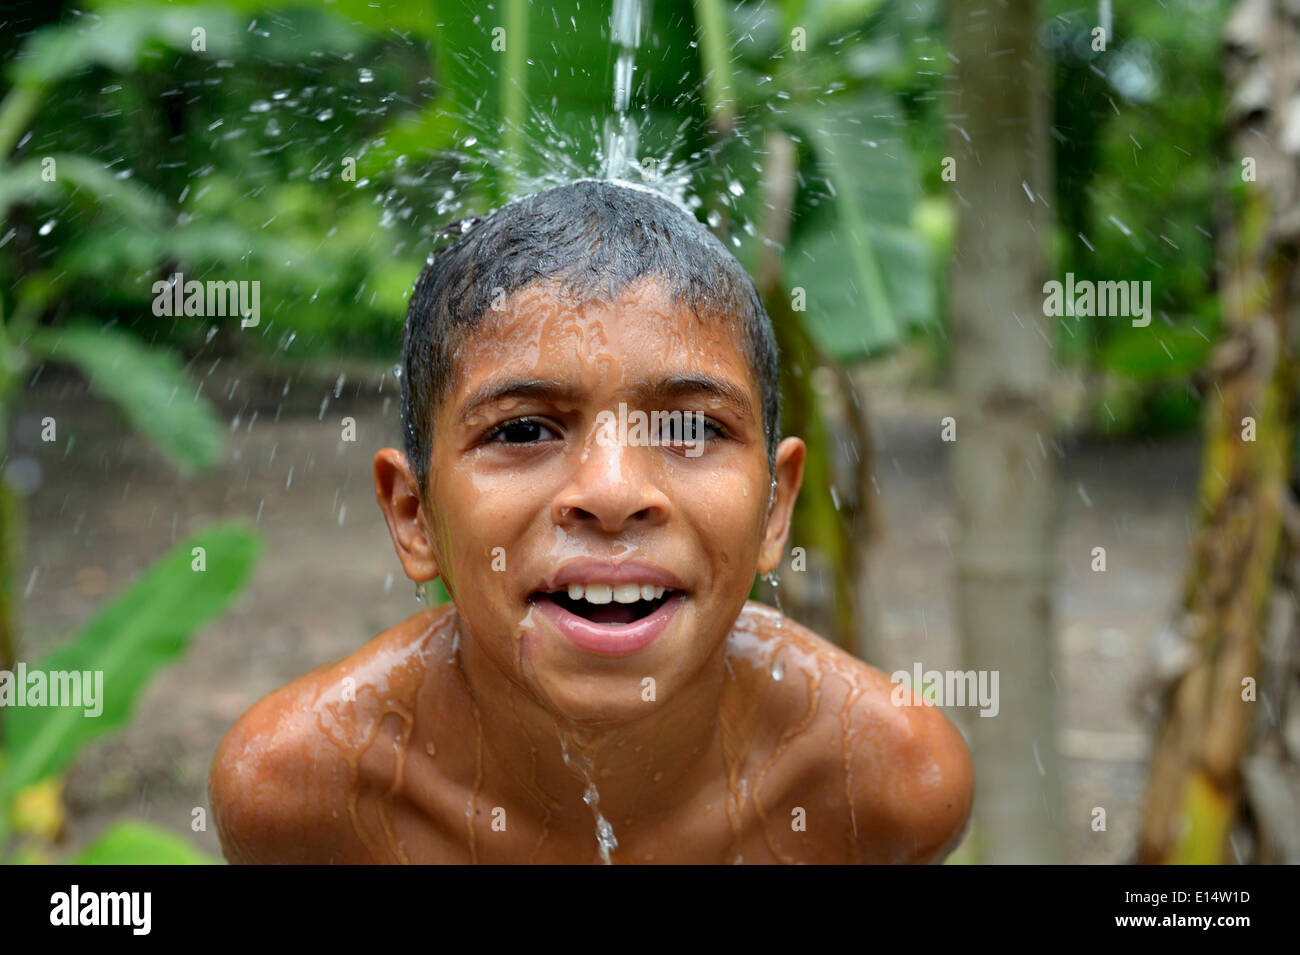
(470, 733)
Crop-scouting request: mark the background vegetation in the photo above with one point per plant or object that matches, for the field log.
(233, 158)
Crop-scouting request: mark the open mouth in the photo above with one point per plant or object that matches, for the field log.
(609, 606)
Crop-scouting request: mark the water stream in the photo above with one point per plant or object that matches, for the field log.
(605, 838)
(626, 23)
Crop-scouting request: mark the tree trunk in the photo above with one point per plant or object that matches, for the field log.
(1196, 785)
(1002, 368)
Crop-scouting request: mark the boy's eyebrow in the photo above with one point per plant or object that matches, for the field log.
(547, 389)
(685, 386)
(494, 391)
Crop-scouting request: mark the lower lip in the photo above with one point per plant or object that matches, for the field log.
(611, 639)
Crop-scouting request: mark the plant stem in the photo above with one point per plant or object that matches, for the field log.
(11, 368)
(712, 21)
(514, 94)
(16, 112)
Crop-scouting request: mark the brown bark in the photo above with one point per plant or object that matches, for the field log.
(1196, 785)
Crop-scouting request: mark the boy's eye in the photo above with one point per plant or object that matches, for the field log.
(690, 427)
(520, 431)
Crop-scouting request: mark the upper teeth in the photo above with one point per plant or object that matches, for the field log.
(623, 593)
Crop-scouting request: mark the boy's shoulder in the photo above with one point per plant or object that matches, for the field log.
(281, 775)
(905, 771)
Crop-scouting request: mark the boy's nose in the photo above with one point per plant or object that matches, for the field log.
(611, 487)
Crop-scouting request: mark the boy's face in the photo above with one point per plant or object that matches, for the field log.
(533, 491)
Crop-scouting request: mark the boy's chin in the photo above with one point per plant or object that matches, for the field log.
(575, 702)
(584, 689)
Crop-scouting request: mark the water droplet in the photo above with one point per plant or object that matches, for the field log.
(605, 831)
(47, 227)
(775, 584)
(365, 76)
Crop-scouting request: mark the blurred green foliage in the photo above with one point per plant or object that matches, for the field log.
(317, 149)
(127, 641)
(229, 161)
(1138, 168)
(1138, 154)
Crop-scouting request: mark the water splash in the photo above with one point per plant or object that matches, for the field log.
(607, 150)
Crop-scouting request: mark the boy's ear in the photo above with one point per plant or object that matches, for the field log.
(399, 498)
(789, 476)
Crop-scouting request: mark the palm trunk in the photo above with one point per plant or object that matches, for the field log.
(1003, 477)
(1195, 790)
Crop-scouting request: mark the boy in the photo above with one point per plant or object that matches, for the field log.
(598, 689)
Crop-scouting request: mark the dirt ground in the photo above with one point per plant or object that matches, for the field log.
(106, 506)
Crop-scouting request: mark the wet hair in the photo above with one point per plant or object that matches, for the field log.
(593, 238)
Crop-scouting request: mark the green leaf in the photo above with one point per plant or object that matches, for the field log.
(22, 182)
(428, 132)
(117, 39)
(135, 843)
(128, 641)
(827, 269)
(1153, 352)
(148, 384)
(78, 176)
(832, 19)
(865, 269)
